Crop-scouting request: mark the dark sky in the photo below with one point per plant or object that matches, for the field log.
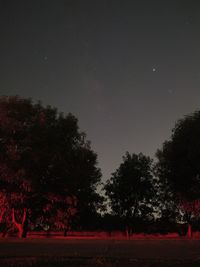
(127, 69)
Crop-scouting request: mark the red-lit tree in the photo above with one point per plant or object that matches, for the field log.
(38, 151)
(190, 209)
(3, 206)
(179, 164)
(4, 213)
(59, 212)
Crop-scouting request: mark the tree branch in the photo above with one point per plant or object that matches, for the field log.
(24, 216)
(13, 216)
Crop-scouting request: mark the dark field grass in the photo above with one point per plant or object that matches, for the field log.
(108, 253)
(99, 262)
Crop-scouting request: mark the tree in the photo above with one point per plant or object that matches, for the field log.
(86, 177)
(39, 157)
(59, 212)
(130, 189)
(167, 211)
(179, 164)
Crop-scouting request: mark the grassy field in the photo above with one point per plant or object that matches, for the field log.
(108, 253)
(99, 262)
(96, 261)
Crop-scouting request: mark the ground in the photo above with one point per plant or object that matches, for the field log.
(63, 252)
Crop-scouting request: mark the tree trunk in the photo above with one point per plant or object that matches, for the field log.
(128, 231)
(1, 214)
(189, 231)
(22, 227)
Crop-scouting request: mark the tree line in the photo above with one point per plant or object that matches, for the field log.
(49, 177)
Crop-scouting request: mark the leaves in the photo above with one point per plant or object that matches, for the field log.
(130, 188)
(42, 154)
(179, 163)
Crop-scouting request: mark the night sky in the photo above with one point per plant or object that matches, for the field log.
(127, 69)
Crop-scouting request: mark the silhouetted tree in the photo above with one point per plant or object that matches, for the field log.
(179, 164)
(43, 153)
(131, 190)
(167, 211)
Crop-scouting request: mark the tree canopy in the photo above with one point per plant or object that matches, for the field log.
(44, 158)
(179, 164)
(179, 158)
(130, 189)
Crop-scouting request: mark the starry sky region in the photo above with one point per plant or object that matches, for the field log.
(127, 69)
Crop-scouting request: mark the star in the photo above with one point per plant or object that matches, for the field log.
(154, 69)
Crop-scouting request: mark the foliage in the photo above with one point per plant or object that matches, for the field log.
(43, 153)
(179, 164)
(179, 157)
(130, 189)
(167, 209)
